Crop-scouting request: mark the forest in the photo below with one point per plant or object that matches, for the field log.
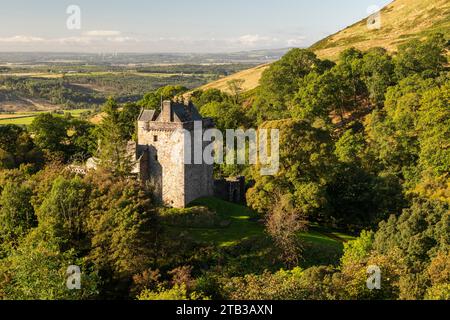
(364, 181)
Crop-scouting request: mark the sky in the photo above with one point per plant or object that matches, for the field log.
(197, 26)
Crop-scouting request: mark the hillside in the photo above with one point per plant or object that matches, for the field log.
(402, 20)
(250, 76)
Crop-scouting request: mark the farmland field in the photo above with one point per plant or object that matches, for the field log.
(26, 118)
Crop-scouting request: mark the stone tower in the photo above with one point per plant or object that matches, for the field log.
(165, 142)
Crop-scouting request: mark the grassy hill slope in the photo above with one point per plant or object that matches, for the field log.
(250, 76)
(401, 21)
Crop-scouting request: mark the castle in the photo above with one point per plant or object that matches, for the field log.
(165, 152)
(165, 155)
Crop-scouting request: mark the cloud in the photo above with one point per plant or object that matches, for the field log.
(93, 40)
(255, 39)
(122, 39)
(21, 39)
(102, 33)
(295, 42)
(110, 40)
(88, 38)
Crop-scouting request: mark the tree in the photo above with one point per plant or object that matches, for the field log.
(349, 68)
(177, 292)
(378, 74)
(433, 126)
(392, 133)
(419, 232)
(358, 249)
(284, 223)
(439, 274)
(350, 147)
(112, 151)
(280, 82)
(320, 96)
(6, 160)
(421, 57)
(235, 87)
(63, 212)
(225, 115)
(50, 132)
(122, 228)
(128, 119)
(17, 215)
(17, 147)
(82, 139)
(152, 100)
(36, 270)
(305, 168)
(200, 97)
(358, 199)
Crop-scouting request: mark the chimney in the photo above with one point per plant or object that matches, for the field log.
(166, 111)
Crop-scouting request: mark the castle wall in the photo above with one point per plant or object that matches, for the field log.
(165, 174)
(176, 183)
(231, 189)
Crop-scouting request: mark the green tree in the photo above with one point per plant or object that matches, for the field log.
(17, 215)
(280, 82)
(83, 140)
(50, 132)
(433, 126)
(177, 292)
(113, 153)
(225, 115)
(36, 270)
(152, 100)
(378, 74)
(123, 230)
(305, 168)
(321, 96)
(200, 97)
(427, 57)
(63, 212)
(17, 147)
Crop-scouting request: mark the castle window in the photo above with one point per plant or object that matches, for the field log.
(155, 138)
(156, 157)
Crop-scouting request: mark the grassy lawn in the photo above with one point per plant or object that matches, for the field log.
(321, 246)
(26, 118)
(244, 223)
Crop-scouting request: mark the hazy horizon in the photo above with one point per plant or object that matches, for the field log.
(196, 27)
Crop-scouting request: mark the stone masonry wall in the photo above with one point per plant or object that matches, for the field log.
(177, 184)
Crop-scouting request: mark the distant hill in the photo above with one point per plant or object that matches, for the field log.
(402, 20)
